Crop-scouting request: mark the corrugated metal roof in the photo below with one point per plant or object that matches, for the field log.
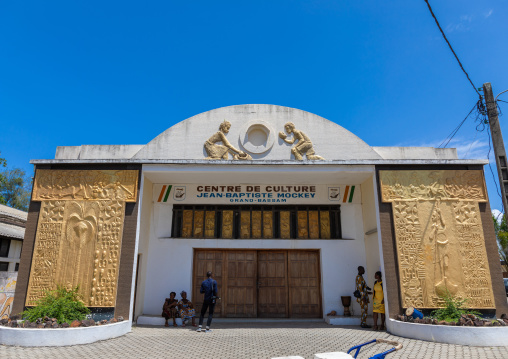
(12, 212)
(12, 231)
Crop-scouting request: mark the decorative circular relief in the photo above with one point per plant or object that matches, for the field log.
(257, 136)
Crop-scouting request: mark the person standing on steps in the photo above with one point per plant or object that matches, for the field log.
(379, 301)
(209, 289)
(361, 286)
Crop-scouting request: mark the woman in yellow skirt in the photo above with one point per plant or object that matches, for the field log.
(379, 302)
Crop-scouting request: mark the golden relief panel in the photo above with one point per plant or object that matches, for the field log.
(314, 224)
(475, 266)
(285, 225)
(244, 224)
(78, 243)
(198, 224)
(92, 185)
(325, 224)
(302, 225)
(432, 185)
(267, 224)
(187, 224)
(210, 224)
(227, 224)
(256, 224)
(79, 232)
(439, 236)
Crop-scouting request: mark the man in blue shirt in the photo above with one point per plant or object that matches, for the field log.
(209, 288)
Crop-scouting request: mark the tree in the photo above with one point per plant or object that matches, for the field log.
(3, 163)
(501, 228)
(15, 189)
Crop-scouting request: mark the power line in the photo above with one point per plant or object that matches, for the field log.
(472, 143)
(451, 48)
(454, 132)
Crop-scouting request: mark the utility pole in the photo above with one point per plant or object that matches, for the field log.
(497, 142)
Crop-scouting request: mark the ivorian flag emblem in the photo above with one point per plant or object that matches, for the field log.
(348, 194)
(163, 196)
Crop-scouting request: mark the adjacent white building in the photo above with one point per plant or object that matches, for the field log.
(12, 231)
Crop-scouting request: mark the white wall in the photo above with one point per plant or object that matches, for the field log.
(167, 262)
(185, 140)
(371, 240)
(145, 228)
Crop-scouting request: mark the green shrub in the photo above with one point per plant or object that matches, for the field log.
(62, 304)
(453, 309)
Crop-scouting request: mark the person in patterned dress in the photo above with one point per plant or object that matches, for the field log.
(361, 286)
(186, 309)
(169, 309)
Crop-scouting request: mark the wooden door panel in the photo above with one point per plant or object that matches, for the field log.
(304, 284)
(204, 261)
(289, 282)
(272, 284)
(240, 299)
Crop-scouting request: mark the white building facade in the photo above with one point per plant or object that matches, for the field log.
(280, 204)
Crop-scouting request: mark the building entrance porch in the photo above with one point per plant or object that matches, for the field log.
(261, 283)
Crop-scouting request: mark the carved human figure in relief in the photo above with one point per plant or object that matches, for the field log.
(221, 152)
(304, 145)
(442, 284)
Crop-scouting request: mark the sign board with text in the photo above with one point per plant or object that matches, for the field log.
(255, 194)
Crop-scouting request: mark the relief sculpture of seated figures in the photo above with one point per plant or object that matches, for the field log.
(170, 309)
(303, 146)
(221, 152)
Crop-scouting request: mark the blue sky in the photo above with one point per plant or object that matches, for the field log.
(121, 72)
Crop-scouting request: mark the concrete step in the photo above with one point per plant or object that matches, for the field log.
(158, 320)
(332, 320)
(353, 320)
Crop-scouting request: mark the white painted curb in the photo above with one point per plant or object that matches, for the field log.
(31, 337)
(472, 336)
(332, 355)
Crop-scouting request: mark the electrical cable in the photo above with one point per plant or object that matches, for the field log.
(454, 132)
(471, 145)
(481, 116)
(451, 48)
(499, 94)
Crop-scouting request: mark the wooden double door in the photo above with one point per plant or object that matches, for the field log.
(261, 283)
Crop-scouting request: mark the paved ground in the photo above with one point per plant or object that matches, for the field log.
(249, 340)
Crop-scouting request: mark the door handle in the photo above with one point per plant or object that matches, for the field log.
(259, 284)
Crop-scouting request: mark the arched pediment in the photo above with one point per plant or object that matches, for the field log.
(255, 131)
